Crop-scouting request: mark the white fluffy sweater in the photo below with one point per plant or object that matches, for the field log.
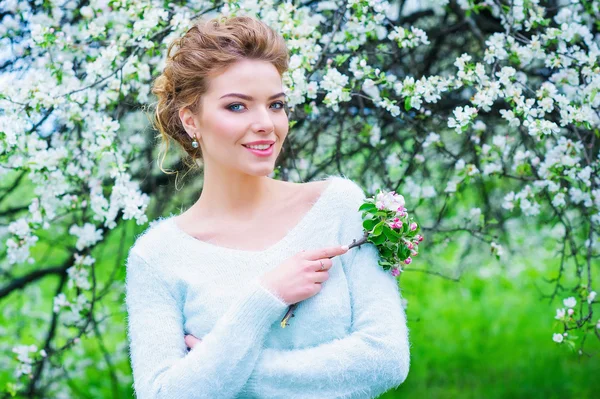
(348, 341)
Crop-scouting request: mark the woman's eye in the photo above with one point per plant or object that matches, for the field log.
(230, 107)
(234, 105)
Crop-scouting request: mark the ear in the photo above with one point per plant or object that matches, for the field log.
(189, 122)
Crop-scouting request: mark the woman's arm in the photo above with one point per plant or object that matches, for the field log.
(373, 359)
(219, 368)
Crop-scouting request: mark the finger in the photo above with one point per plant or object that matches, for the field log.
(320, 278)
(327, 264)
(322, 253)
(191, 341)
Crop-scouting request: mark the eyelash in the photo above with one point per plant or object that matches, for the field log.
(278, 102)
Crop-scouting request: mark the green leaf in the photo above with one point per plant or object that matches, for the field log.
(524, 169)
(391, 234)
(402, 252)
(378, 229)
(514, 58)
(407, 105)
(405, 228)
(369, 224)
(386, 252)
(367, 206)
(11, 388)
(379, 239)
(594, 92)
(341, 58)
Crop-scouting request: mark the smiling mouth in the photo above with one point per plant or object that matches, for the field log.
(267, 152)
(256, 149)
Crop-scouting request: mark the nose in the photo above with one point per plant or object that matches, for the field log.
(264, 122)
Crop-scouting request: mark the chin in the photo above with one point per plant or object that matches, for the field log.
(263, 170)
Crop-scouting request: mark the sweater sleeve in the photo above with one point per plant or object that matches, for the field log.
(371, 360)
(163, 368)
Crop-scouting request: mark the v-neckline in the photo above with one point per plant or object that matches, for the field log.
(295, 229)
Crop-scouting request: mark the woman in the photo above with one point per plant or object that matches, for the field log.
(221, 276)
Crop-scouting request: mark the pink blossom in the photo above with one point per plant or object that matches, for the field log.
(389, 200)
(413, 226)
(408, 260)
(396, 224)
(395, 272)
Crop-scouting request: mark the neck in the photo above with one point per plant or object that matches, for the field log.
(236, 196)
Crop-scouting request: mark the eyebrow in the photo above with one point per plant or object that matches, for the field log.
(249, 98)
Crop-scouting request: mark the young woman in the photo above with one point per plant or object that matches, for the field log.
(220, 277)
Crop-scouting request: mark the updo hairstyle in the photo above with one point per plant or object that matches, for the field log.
(204, 50)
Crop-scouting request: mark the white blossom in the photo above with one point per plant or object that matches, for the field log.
(431, 138)
(570, 302)
(557, 338)
(497, 248)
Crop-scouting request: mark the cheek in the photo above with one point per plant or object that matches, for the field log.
(225, 127)
(282, 124)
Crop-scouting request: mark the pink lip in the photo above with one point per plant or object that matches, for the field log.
(262, 153)
(260, 142)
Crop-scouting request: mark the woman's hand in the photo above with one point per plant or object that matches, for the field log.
(191, 341)
(302, 275)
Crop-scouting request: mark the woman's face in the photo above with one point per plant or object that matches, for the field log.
(244, 104)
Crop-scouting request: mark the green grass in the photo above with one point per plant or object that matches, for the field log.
(490, 338)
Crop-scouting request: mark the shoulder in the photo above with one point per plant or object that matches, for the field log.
(151, 239)
(351, 187)
(349, 196)
(342, 185)
(345, 196)
(349, 192)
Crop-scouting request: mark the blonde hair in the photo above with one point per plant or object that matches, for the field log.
(205, 49)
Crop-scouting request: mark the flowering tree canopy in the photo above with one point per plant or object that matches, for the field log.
(484, 114)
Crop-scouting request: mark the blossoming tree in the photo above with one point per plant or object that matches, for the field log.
(483, 113)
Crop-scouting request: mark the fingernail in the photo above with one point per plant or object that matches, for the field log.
(345, 247)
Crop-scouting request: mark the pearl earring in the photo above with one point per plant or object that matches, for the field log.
(195, 143)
